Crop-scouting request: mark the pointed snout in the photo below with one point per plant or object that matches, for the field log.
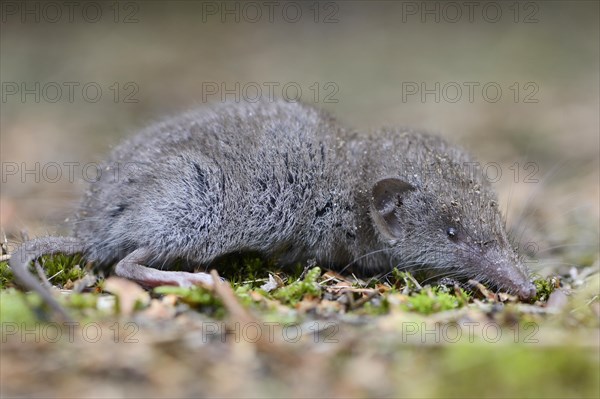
(527, 292)
(516, 282)
(508, 274)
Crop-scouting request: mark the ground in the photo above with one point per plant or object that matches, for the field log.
(313, 334)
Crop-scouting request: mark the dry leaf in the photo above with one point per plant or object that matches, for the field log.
(127, 292)
(161, 309)
(273, 283)
(504, 297)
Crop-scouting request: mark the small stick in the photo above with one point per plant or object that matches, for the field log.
(224, 291)
(364, 300)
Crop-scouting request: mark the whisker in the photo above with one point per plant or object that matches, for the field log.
(565, 246)
(364, 256)
(553, 171)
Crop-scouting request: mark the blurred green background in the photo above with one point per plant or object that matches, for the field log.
(356, 59)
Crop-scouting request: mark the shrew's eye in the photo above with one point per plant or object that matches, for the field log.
(452, 232)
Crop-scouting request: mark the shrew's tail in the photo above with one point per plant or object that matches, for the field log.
(33, 249)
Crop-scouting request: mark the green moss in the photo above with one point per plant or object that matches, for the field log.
(61, 269)
(293, 293)
(432, 300)
(197, 297)
(376, 307)
(544, 288)
(6, 276)
(516, 371)
(17, 307)
(82, 301)
(242, 293)
(243, 268)
(402, 279)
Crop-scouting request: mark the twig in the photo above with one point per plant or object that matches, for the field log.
(225, 292)
(42, 275)
(238, 313)
(364, 300)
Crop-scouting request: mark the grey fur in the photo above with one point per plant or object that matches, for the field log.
(289, 181)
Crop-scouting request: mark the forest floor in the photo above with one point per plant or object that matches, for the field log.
(308, 333)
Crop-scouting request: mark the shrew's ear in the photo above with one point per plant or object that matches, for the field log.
(387, 195)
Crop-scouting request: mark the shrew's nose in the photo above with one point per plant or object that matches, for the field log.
(527, 292)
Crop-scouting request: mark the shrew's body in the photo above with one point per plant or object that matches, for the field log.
(289, 181)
